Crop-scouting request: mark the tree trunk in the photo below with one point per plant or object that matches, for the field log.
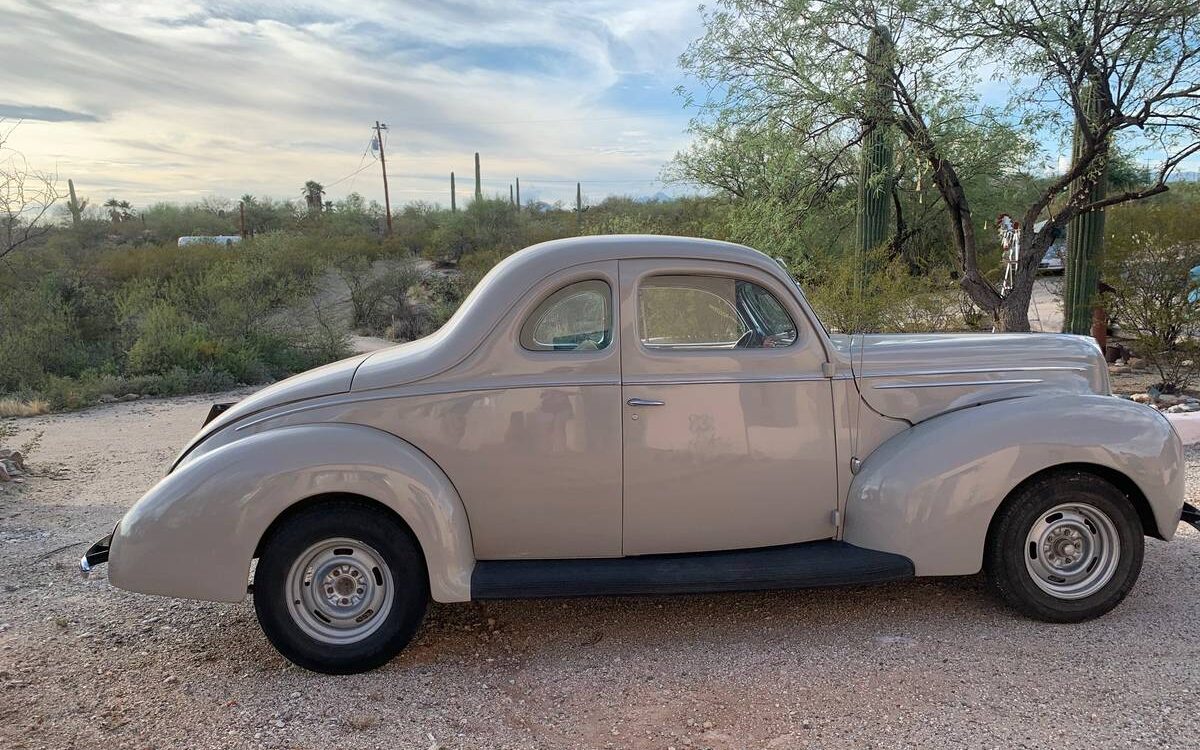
(1013, 313)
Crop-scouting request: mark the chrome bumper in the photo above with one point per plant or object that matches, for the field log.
(1190, 516)
(97, 554)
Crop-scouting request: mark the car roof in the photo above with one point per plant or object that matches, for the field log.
(544, 258)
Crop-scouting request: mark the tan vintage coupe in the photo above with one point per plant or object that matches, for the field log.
(645, 415)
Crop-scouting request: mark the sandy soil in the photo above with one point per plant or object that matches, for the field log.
(1045, 306)
(936, 663)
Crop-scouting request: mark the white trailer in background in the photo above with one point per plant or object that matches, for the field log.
(218, 239)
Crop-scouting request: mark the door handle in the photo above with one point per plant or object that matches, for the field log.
(644, 402)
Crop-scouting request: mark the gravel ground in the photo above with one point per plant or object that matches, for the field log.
(935, 663)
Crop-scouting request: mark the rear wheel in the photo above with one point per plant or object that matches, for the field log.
(340, 587)
(1067, 547)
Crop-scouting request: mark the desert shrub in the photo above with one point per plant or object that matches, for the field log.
(35, 322)
(402, 310)
(168, 338)
(884, 296)
(1151, 284)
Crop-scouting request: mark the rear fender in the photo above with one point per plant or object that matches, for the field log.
(194, 534)
(930, 492)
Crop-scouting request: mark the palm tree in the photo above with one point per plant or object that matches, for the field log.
(314, 192)
(119, 211)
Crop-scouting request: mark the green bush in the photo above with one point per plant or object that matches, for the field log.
(167, 338)
(884, 296)
(1151, 284)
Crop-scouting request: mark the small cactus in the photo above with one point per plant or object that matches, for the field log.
(478, 183)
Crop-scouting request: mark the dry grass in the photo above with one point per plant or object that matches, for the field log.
(11, 407)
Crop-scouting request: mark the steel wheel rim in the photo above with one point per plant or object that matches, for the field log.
(339, 591)
(1072, 550)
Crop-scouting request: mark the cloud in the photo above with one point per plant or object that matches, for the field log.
(261, 96)
(44, 114)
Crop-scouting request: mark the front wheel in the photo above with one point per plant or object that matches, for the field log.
(340, 587)
(1067, 547)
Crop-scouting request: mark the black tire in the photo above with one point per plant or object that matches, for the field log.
(379, 533)
(1008, 546)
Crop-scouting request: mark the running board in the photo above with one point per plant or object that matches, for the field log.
(811, 564)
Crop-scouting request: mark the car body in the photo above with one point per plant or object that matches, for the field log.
(1054, 261)
(635, 414)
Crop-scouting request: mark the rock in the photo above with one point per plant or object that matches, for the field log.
(130, 397)
(10, 467)
(1168, 399)
(1141, 398)
(1118, 369)
(1135, 363)
(4, 477)
(106, 398)
(1183, 408)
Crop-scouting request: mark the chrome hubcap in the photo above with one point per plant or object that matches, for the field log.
(1072, 551)
(339, 591)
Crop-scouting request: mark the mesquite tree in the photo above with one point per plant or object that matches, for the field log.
(26, 197)
(804, 63)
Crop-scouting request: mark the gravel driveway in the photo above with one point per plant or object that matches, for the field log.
(935, 663)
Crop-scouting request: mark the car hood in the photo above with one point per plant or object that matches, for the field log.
(918, 376)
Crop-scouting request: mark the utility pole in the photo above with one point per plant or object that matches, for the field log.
(510, 196)
(478, 185)
(453, 204)
(387, 203)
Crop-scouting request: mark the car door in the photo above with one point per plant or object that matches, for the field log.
(728, 438)
(528, 427)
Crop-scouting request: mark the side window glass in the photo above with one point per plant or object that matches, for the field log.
(577, 317)
(710, 312)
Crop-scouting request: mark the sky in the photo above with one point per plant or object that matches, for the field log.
(176, 101)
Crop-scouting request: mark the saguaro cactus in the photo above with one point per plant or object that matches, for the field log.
(875, 170)
(578, 199)
(74, 205)
(518, 195)
(478, 184)
(453, 199)
(1085, 235)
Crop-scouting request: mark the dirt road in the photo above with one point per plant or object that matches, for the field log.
(928, 664)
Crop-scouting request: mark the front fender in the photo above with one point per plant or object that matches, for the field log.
(194, 533)
(930, 492)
